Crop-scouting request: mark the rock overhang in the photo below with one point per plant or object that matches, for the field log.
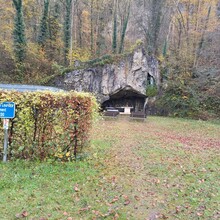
(126, 92)
(127, 78)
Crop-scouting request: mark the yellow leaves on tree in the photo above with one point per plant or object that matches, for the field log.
(81, 54)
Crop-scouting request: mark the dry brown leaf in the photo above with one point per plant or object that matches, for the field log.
(24, 214)
(76, 189)
(127, 202)
(137, 198)
(65, 213)
(115, 199)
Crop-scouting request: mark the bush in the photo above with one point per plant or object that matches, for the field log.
(7, 64)
(151, 90)
(48, 124)
(188, 101)
(179, 100)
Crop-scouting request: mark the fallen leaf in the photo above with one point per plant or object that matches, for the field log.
(164, 216)
(65, 213)
(127, 202)
(116, 216)
(77, 199)
(85, 209)
(125, 197)
(199, 214)
(178, 209)
(24, 214)
(137, 198)
(96, 212)
(113, 179)
(76, 188)
(157, 181)
(115, 199)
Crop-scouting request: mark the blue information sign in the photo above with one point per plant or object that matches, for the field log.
(7, 110)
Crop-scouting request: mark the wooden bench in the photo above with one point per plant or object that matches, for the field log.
(138, 114)
(111, 112)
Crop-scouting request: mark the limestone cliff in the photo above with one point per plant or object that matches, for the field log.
(133, 73)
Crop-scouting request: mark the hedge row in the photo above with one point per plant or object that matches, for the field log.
(48, 124)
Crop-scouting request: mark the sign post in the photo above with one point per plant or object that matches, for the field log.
(5, 126)
(7, 111)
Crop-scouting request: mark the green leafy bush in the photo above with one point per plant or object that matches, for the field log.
(182, 100)
(151, 90)
(48, 124)
(179, 100)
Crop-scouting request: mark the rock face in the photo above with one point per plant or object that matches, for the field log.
(129, 76)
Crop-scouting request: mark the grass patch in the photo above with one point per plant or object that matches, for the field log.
(57, 190)
(161, 168)
(187, 182)
(41, 189)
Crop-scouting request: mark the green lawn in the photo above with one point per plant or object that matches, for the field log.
(163, 168)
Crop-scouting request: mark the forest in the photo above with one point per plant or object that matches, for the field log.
(41, 38)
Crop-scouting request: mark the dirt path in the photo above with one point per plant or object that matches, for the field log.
(144, 161)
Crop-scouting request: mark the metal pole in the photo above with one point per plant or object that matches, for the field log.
(5, 144)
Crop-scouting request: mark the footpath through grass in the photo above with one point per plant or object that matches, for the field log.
(159, 169)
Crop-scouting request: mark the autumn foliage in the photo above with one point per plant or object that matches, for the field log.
(48, 124)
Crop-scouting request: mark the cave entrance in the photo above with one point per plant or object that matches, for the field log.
(126, 99)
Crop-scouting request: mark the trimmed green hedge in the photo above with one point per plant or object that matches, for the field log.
(48, 124)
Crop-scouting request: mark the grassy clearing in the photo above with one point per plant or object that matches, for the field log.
(160, 169)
